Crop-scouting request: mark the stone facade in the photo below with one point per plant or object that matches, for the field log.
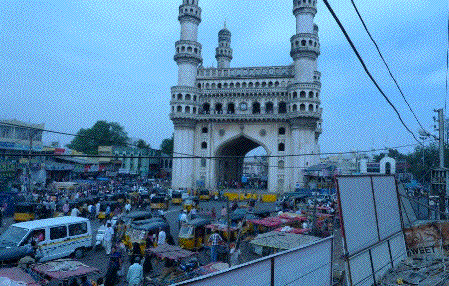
(220, 114)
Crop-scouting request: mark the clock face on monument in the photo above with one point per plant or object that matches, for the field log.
(243, 106)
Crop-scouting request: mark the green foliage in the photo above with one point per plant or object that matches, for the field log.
(167, 146)
(101, 134)
(141, 144)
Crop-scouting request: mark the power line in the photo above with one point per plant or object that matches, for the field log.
(447, 64)
(215, 157)
(385, 62)
(366, 69)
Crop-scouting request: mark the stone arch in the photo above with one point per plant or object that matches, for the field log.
(230, 155)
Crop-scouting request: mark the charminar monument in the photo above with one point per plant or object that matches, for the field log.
(220, 114)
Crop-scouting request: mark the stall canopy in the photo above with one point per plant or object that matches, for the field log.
(63, 269)
(170, 252)
(282, 240)
(16, 276)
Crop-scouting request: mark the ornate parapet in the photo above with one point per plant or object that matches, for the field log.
(305, 45)
(249, 72)
(188, 51)
(304, 7)
(182, 123)
(190, 13)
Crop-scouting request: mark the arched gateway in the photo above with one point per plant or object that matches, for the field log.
(220, 114)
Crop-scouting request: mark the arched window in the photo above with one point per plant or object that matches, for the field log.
(205, 130)
(302, 107)
(219, 85)
(257, 84)
(194, 110)
(282, 107)
(194, 98)
(188, 97)
(203, 162)
(231, 108)
(281, 164)
(256, 107)
(199, 86)
(295, 94)
(303, 42)
(203, 145)
(302, 94)
(179, 96)
(269, 107)
(310, 107)
(250, 85)
(310, 94)
(244, 85)
(206, 108)
(295, 107)
(281, 131)
(281, 147)
(179, 109)
(264, 84)
(187, 109)
(218, 108)
(237, 85)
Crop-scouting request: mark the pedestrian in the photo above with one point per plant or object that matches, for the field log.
(128, 207)
(108, 234)
(234, 255)
(213, 213)
(182, 218)
(214, 240)
(75, 211)
(135, 273)
(135, 252)
(161, 237)
(111, 273)
(85, 282)
(65, 208)
(170, 239)
(147, 264)
(108, 211)
(97, 209)
(149, 243)
(224, 212)
(90, 210)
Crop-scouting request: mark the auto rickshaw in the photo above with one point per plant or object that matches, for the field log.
(204, 195)
(159, 203)
(189, 203)
(25, 211)
(135, 216)
(103, 207)
(192, 234)
(131, 228)
(139, 233)
(176, 198)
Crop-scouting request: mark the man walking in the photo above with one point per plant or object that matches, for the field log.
(108, 234)
(135, 273)
(214, 240)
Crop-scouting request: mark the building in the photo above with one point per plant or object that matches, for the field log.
(220, 114)
(18, 140)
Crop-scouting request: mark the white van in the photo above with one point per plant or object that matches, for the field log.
(56, 237)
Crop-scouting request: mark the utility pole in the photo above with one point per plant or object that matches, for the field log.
(439, 175)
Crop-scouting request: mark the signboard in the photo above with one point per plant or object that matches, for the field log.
(430, 238)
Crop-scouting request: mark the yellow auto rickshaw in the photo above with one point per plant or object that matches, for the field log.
(25, 211)
(192, 235)
(139, 233)
(159, 203)
(204, 195)
(189, 203)
(176, 198)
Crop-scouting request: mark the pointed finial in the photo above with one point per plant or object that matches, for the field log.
(225, 24)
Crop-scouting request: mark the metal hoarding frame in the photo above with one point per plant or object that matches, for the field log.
(270, 269)
(367, 260)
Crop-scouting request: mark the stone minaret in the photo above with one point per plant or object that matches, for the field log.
(304, 92)
(184, 103)
(223, 52)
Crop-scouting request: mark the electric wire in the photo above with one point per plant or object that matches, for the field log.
(385, 62)
(366, 68)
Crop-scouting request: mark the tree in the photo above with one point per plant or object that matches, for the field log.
(167, 146)
(141, 144)
(102, 133)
